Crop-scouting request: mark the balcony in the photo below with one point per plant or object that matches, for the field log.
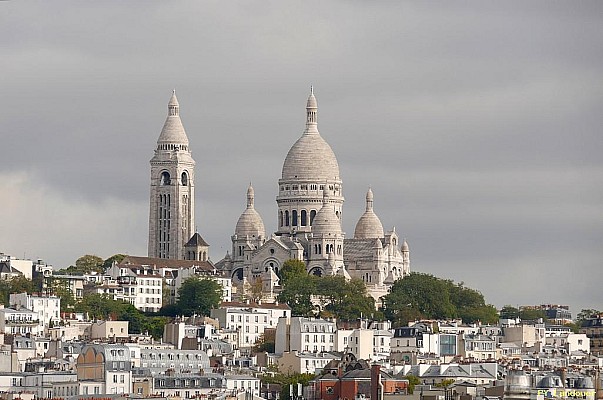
(13, 322)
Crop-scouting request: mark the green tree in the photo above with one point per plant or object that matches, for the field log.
(60, 288)
(426, 296)
(17, 284)
(445, 383)
(286, 380)
(109, 261)
(347, 300)
(575, 328)
(412, 382)
(102, 307)
(585, 314)
(20, 284)
(198, 296)
(292, 269)
(99, 306)
(297, 293)
(486, 314)
(266, 342)
(531, 314)
(509, 312)
(89, 263)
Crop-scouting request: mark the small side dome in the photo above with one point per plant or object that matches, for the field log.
(369, 225)
(405, 246)
(250, 222)
(326, 221)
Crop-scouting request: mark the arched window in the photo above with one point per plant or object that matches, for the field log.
(304, 218)
(312, 215)
(184, 179)
(286, 218)
(280, 218)
(165, 178)
(294, 218)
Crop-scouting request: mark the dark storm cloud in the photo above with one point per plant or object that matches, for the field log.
(478, 126)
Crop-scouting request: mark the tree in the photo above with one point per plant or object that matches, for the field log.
(291, 269)
(445, 383)
(347, 300)
(114, 258)
(585, 314)
(426, 296)
(412, 382)
(286, 380)
(60, 288)
(266, 342)
(198, 296)
(531, 314)
(297, 293)
(509, 312)
(255, 291)
(17, 284)
(89, 263)
(99, 306)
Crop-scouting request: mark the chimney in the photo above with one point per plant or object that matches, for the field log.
(376, 389)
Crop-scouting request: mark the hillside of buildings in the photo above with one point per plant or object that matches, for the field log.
(148, 328)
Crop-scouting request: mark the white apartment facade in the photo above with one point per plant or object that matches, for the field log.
(305, 335)
(48, 308)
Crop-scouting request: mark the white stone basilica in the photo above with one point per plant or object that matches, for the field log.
(310, 204)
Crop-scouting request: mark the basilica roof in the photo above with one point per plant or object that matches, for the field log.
(250, 223)
(173, 131)
(369, 225)
(311, 157)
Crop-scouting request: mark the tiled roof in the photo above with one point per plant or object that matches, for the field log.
(237, 304)
(196, 240)
(358, 249)
(134, 261)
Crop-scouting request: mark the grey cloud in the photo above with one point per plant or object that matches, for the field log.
(478, 125)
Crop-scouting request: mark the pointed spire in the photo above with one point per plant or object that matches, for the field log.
(173, 106)
(311, 113)
(250, 196)
(369, 200)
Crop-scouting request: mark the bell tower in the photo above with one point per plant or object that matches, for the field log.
(172, 197)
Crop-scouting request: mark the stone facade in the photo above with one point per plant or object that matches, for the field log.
(310, 210)
(172, 198)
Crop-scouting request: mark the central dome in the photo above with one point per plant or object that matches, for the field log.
(311, 157)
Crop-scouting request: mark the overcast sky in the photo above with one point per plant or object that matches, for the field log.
(477, 124)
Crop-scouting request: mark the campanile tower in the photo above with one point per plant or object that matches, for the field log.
(172, 198)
